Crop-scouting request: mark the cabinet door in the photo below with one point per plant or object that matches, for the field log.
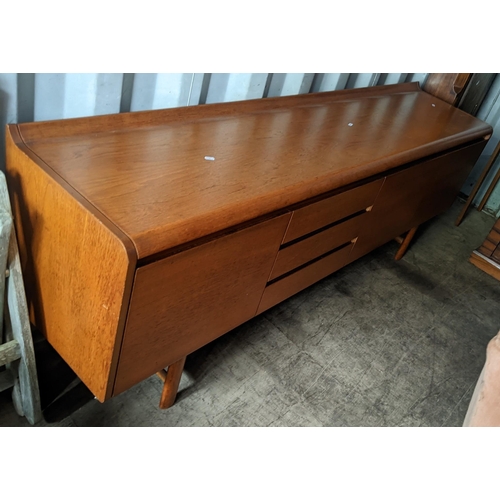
(414, 195)
(184, 301)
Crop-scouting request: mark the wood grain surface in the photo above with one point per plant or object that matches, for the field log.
(171, 380)
(414, 195)
(139, 250)
(183, 302)
(492, 242)
(77, 271)
(328, 210)
(148, 173)
(485, 264)
(447, 86)
(312, 247)
(299, 280)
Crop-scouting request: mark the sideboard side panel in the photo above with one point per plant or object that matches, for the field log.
(185, 301)
(76, 271)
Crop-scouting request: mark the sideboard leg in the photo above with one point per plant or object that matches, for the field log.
(406, 241)
(171, 379)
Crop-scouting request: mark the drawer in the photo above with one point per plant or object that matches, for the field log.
(312, 247)
(286, 287)
(329, 210)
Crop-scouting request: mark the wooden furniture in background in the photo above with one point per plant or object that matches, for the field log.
(140, 250)
(487, 256)
(447, 86)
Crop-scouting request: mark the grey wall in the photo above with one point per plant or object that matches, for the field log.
(28, 97)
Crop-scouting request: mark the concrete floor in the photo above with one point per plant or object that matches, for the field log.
(379, 343)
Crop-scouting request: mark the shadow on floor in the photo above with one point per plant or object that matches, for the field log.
(61, 391)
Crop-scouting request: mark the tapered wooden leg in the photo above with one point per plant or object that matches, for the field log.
(406, 241)
(171, 379)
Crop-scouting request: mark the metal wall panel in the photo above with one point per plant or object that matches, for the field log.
(73, 95)
(49, 96)
(226, 87)
(165, 90)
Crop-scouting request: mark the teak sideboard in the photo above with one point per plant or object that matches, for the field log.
(146, 235)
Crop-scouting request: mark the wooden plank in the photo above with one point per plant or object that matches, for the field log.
(491, 245)
(286, 287)
(183, 302)
(485, 264)
(9, 352)
(496, 255)
(154, 183)
(324, 212)
(487, 248)
(26, 394)
(7, 380)
(495, 233)
(78, 271)
(298, 254)
(5, 230)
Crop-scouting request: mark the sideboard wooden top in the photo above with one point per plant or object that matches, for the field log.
(147, 172)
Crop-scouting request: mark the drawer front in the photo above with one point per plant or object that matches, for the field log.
(301, 279)
(184, 301)
(297, 254)
(322, 213)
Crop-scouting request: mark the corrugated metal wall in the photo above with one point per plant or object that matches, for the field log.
(46, 96)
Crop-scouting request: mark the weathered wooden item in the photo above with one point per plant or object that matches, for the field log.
(16, 344)
(139, 250)
(487, 256)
